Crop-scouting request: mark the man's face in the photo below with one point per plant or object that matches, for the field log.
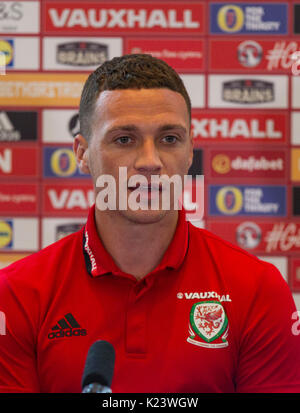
(145, 130)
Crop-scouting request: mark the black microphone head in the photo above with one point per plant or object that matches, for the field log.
(99, 365)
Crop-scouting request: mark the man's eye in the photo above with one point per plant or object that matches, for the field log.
(123, 139)
(170, 139)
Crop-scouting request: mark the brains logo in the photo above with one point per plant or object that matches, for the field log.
(229, 200)
(221, 164)
(63, 162)
(230, 18)
(6, 234)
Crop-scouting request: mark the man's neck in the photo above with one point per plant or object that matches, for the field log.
(137, 248)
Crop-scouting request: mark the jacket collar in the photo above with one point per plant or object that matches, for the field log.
(99, 262)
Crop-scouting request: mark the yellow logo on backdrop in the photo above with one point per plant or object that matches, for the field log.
(56, 166)
(7, 49)
(229, 200)
(41, 89)
(230, 14)
(295, 165)
(6, 234)
(221, 164)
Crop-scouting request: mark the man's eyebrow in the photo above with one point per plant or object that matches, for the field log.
(134, 128)
(128, 128)
(172, 126)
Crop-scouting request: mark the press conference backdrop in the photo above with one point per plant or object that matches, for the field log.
(235, 59)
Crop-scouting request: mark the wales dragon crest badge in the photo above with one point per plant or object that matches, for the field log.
(208, 325)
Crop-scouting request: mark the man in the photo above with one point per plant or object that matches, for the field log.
(184, 310)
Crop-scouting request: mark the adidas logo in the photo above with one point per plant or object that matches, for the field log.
(67, 327)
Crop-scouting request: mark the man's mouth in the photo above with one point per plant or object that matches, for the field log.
(147, 188)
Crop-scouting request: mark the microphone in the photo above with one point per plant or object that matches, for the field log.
(99, 368)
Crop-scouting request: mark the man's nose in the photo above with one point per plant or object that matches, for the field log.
(148, 157)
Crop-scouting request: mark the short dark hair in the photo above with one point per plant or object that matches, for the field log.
(132, 71)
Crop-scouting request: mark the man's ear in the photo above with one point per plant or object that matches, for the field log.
(81, 150)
